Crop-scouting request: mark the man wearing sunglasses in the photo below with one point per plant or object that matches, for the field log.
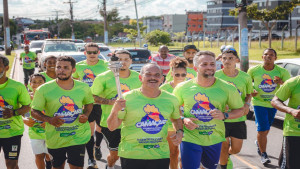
(235, 129)
(189, 52)
(105, 93)
(86, 71)
(267, 79)
(205, 98)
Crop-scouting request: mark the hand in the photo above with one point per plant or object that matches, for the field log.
(277, 80)
(43, 125)
(20, 63)
(83, 118)
(254, 94)
(177, 138)
(295, 113)
(56, 121)
(246, 109)
(189, 123)
(29, 122)
(119, 104)
(217, 114)
(7, 113)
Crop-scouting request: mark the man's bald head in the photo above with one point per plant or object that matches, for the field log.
(163, 51)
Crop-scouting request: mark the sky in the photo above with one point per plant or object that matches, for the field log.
(88, 9)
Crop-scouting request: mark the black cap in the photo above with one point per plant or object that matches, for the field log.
(187, 47)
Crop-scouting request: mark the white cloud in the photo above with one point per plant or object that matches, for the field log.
(43, 9)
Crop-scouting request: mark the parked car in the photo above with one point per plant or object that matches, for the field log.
(293, 67)
(104, 50)
(36, 46)
(2, 47)
(273, 35)
(140, 56)
(80, 46)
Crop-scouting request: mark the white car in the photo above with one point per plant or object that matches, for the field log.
(36, 46)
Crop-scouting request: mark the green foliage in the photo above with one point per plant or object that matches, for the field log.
(12, 26)
(132, 31)
(179, 35)
(158, 37)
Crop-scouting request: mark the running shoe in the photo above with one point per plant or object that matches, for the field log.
(258, 150)
(229, 163)
(92, 164)
(264, 158)
(98, 153)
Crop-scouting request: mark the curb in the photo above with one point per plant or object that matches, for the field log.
(13, 67)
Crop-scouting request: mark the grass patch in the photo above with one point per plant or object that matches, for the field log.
(255, 52)
(11, 61)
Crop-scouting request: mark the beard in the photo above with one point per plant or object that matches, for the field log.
(190, 60)
(64, 79)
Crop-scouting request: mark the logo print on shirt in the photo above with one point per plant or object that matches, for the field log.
(88, 77)
(267, 85)
(124, 89)
(69, 110)
(202, 108)
(189, 76)
(3, 104)
(235, 87)
(27, 59)
(153, 121)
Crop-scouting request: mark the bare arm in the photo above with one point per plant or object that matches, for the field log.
(279, 105)
(246, 105)
(55, 121)
(8, 113)
(233, 114)
(87, 109)
(177, 123)
(113, 122)
(101, 100)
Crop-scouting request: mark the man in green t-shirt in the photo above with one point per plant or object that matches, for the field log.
(28, 60)
(86, 71)
(189, 52)
(290, 153)
(67, 104)
(105, 93)
(145, 121)
(205, 98)
(14, 102)
(267, 78)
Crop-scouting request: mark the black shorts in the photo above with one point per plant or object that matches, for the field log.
(236, 130)
(75, 155)
(11, 147)
(145, 164)
(290, 153)
(112, 138)
(96, 114)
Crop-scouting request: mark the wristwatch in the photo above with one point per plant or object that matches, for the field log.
(226, 115)
(248, 104)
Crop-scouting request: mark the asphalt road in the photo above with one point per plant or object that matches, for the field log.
(246, 159)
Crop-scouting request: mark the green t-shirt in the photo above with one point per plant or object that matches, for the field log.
(105, 86)
(68, 103)
(199, 101)
(13, 95)
(291, 90)
(37, 131)
(48, 78)
(145, 125)
(167, 87)
(242, 82)
(264, 84)
(190, 74)
(87, 73)
(28, 60)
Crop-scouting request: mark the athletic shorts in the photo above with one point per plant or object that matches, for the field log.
(38, 146)
(11, 147)
(236, 129)
(290, 153)
(192, 155)
(264, 117)
(145, 164)
(74, 154)
(96, 114)
(112, 138)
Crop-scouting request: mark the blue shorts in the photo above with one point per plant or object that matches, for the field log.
(192, 154)
(264, 117)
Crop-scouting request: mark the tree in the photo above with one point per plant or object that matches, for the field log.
(179, 35)
(158, 37)
(111, 16)
(131, 29)
(268, 17)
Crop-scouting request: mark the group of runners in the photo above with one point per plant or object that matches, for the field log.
(185, 106)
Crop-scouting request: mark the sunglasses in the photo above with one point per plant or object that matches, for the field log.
(91, 52)
(229, 49)
(178, 75)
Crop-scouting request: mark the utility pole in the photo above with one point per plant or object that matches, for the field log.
(6, 28)
(57, 11)
(71, 13)
(138, 24)
(105, 23)
(243, 32)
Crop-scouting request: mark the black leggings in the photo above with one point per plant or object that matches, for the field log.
(27, 74)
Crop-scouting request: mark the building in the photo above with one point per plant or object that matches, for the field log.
(196, 22)
(290, 21)
(153, 23)
(174, 23)
(218, 17)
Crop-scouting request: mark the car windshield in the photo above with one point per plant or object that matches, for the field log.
(141, 54)
(60, 47)
(36, 45)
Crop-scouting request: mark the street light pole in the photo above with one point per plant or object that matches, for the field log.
(6, 28)
(138, 25)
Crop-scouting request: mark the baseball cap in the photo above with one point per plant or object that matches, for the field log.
(187, 47)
